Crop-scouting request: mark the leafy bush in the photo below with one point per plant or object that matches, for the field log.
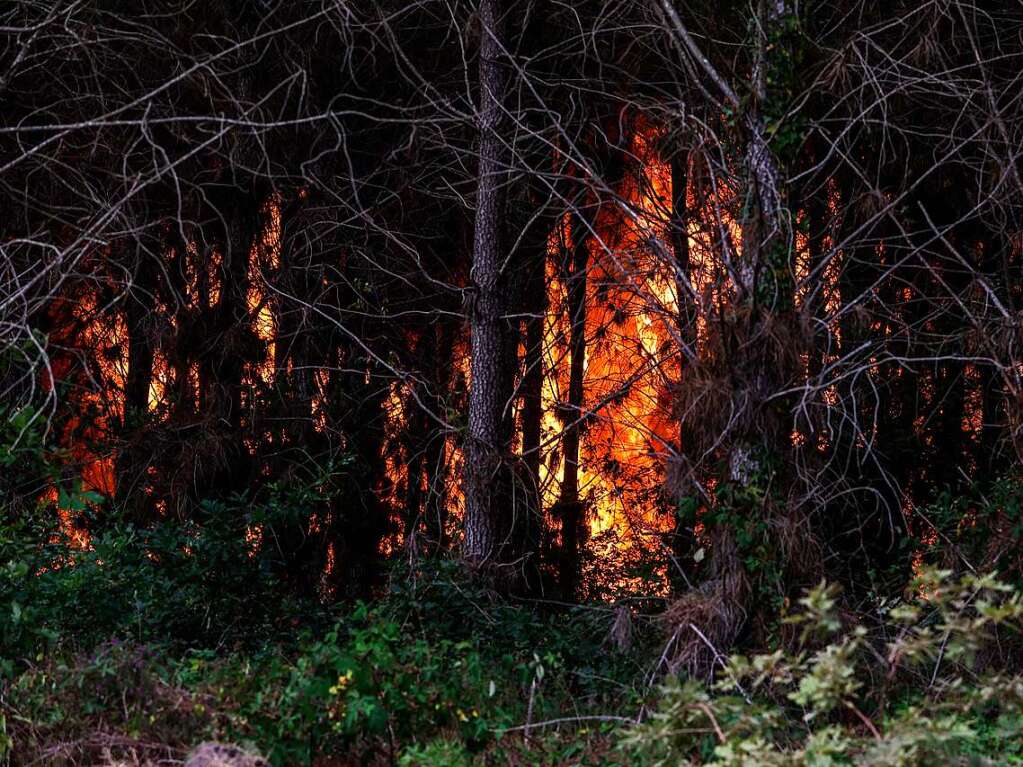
(910, 692)
(983, 526)
(441, 672)
(436, 657)
(436, 753)
(200, 583)
(436, 670)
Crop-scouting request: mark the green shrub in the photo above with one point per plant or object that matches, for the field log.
(909, 692)
(441, 672)
(434, 670)
(435, 658)
(198, 583)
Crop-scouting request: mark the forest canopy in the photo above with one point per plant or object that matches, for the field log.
(338, 339)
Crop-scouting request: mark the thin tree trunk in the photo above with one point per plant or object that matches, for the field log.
(295, 350)
(569, 504)
(417, 437)
(483, 448)
(436, 503)
(683, 539)
(131, 463)
(359, 518)
(227, 347)
(532, 391)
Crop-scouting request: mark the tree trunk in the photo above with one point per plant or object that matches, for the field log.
(569, 504)
(417, 438)
(484, 527)
(682, 542)
(230, 343)
(535, 303)
(436, 503)
(756, 368)
(137, 381)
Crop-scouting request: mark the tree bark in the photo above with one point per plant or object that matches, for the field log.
(483, 444)
(723, 604)
(436, 503)
(131, 462)
(683, 539)
(535, 302)
(569, 504)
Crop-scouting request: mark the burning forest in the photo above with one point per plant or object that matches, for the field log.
(690, 319)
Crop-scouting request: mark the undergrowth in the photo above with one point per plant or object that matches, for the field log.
(144, 646)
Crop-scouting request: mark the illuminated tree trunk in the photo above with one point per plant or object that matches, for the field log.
(418, 435)
(569, 505)
(417, 439)
(181, 351)
(532, 382)
(605, 156)
(485, 530)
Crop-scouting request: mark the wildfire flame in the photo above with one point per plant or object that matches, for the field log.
(629, 429)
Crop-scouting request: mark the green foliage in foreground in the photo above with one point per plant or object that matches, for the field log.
(438, 673)
(155, 640)
(435, 660)
(922, 688)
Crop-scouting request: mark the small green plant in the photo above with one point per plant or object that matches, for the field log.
(436, 753)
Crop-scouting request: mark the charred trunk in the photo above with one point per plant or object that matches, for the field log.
(682, 540)
(132, 460)
(570, 507)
